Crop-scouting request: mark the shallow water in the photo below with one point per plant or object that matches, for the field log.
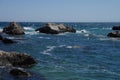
(87, 54)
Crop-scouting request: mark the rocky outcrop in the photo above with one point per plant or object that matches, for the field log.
(52, 28)
(16, 59)
(14, 29)
(116, 28)
(116, 33)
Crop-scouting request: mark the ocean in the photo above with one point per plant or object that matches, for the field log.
(87, 54)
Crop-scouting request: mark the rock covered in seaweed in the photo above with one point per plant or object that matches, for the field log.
(14, 29)
(52, 28)
(16, 59)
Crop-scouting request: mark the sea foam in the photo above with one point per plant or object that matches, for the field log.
(29, 28)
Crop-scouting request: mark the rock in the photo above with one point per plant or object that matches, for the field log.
(14, 29)
(52, 28)
(1, 38)
(8, 41)
(16, 59)
(116, 28)
(19, 72)
(115, 34)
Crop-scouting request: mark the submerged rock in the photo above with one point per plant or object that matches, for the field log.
(19, 72)
(52, 28)
(115, 34)
(6, 40)
(14, 29)
(16, 59)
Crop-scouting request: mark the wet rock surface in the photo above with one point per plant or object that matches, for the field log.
(14, 63)
(14, 29)
(16, 59)
(52, 28)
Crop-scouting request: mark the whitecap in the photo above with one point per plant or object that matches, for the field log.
(44, 37)
(107, 28)
(48, 50)
(75, 46)
(31, 33)
(29, 28)
(82, 31)
(69, 47)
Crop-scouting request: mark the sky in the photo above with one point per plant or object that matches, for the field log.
(60, 10)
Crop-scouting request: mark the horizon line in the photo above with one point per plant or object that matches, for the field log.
(67, 21)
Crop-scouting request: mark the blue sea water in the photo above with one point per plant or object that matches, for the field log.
(87, 54)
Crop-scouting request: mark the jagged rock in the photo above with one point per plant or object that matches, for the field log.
(19, 72)
(115, 34)
(16, 59)
(116, 28)
(52, 28)
(14, 29)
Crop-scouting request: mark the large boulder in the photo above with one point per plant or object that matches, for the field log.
(52, 28)
(16, 59)
(116, 28)
(14, 29)
(115, 34)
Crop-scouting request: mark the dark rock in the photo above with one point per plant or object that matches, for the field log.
(1, 38)
(52, 28)
(115, 34)
(16, 59)
(19, 72)
(116, 28)
(8, 41)
(14, 29)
